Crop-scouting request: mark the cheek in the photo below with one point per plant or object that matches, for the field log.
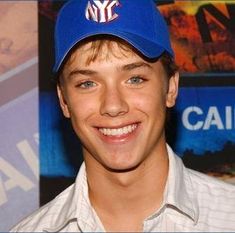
(150, 101)
(81, 109)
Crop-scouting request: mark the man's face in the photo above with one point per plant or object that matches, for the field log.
(117, 106)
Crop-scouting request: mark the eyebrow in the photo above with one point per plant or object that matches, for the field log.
(83, 72)
(136, 65)
(127, 67)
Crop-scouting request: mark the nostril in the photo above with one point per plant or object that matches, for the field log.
(114, 104)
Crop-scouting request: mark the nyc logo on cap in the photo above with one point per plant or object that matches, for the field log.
(101, 11)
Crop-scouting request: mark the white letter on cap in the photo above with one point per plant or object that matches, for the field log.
(111, 15)
(91, 12)
(101, 11)
(102, 6)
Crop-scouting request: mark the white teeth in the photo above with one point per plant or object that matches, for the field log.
(119, 131)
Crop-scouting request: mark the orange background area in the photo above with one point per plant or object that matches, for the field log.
(192, 55)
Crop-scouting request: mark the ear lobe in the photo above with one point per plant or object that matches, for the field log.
(63, 103)
(172, 90)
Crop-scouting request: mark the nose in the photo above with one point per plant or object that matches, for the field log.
(114, 102)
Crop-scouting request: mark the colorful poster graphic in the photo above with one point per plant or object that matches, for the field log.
(203, 35)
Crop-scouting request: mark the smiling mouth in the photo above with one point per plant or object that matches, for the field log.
(118, 131)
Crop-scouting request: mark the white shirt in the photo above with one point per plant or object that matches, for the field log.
(193, 202)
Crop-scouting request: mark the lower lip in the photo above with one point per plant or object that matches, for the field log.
(124, 138)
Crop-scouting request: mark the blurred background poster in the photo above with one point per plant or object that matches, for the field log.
(19, 186)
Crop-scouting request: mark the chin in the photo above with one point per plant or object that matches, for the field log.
(121, 168)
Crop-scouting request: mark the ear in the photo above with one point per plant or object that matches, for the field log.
(63, 102)
(172, 90)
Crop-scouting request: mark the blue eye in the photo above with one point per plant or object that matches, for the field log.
(135, 80)
(87, 84)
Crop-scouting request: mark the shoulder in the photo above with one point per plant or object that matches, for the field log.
(214, 197)
(203, 182)
(45, 216)
(215, 201)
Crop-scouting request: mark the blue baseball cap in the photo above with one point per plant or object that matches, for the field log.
(138, 22)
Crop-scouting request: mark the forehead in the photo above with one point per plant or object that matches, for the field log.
(101, 50)
(112, 54)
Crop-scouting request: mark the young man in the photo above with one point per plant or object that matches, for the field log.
(117, 77)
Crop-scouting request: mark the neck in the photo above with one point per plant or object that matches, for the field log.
(128, 196)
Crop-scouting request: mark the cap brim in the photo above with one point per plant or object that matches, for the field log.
(146, 47)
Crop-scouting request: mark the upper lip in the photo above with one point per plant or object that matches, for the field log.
(117, 126)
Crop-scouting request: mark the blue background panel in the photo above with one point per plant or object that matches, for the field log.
(206, 119)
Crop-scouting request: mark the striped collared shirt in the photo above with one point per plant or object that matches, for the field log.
(193, 202)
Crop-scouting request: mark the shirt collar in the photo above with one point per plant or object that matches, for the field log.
(88, 221)
(179, 191)
(77, 207)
